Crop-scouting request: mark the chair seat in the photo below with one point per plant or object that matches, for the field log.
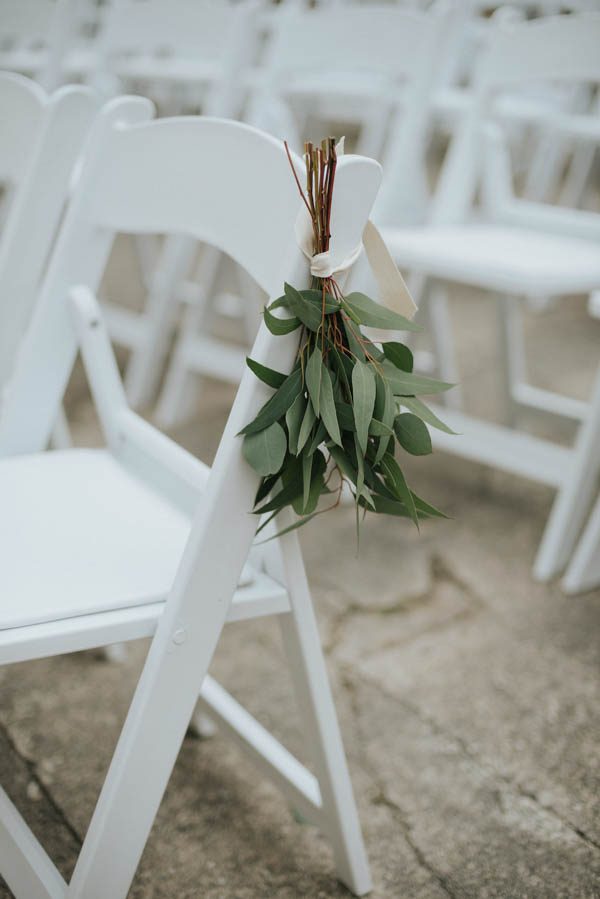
(511, 260)
(152, 67)
(80, 535)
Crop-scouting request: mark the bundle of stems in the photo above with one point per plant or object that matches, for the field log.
(340, 408)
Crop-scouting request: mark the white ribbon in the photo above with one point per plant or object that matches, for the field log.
(393, 291)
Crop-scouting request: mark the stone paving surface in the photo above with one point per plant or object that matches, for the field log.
(468, 696)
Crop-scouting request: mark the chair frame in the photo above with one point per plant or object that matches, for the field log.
(571, 471)
(186, 631)
(43, 139)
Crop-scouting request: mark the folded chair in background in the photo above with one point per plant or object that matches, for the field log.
(140, 538)
(42, 138)
(517, 249)
(188, 55)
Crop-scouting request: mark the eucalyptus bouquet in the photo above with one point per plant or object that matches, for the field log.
(348, 403)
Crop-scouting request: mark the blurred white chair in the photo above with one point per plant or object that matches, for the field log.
(182, 53)
(407, 47)
(188, 53)
(142, 539)
(520, 249)
(583, 571)
(34, 36)
(42, 137)
(379, 50)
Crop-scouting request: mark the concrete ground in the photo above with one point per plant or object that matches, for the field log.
(468, 695)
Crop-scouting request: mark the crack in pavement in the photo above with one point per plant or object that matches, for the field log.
(485, 766)
(441, 574)
(32, 772)
(441, 880)
(382, 799)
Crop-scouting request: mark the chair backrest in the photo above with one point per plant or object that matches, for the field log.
(33, 37)
(384, 39)
(193, 40)
(558, 49)
(390, 49)
(42, 136)
(221, 182)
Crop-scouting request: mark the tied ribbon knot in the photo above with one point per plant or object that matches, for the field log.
(392, 288)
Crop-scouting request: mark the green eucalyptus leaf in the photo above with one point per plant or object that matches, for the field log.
(343, 463)
(278, 405)
(345, 416)
(414, 404)
(318, 438)
(343, 366)
(425, 508)
(265, 487)
(293, 420)
(398, 354)
(314, 378)
(363, 401)
(267, 375)
(354, 345)
(374, 315)
(379, 429)
(313, 485)
(384, 411)
(307, 463)
(328, 416)
(287, 495)
(265, 451)
(385, 506)
(308, 313)
(291, 527)
(306, 426)
(279, 326)
(396, 481)
(412, 434)
(404, 383)
(316, 298)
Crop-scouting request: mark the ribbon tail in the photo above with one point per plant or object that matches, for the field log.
(393, 291)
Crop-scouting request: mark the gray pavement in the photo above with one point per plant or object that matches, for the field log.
(468, 695)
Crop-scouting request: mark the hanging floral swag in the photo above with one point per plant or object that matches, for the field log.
(348, 402)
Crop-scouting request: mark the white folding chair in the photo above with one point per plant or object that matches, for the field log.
(188, 53)
(519, 249)
(141, 539)
(181, 53)
(34, 37)
(407, 46)
(42, 137)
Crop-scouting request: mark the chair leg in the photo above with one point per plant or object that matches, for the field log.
(511, 346)
(303, 649)
(146, 752)
(145, 365)
(61, 432)
(438, 313)
(574, 496)
(583, 572)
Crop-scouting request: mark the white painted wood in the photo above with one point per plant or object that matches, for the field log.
(42, 136)
(297, 783)
(576, 496)
(501, 447)
(583, 572)
(25, 866)
(190, 53)
(138, 566)
(519, 248)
